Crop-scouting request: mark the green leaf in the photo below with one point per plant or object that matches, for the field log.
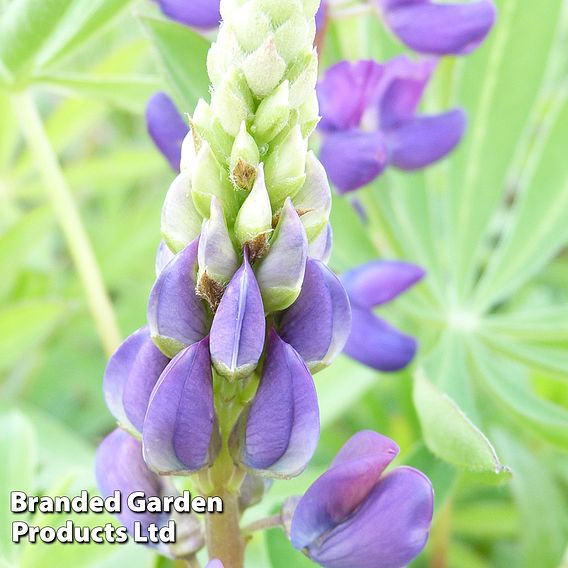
(184, 55)
(25, 28)
(23, 327)
(509, 386)
(540, 502)
(18, 448)
(332, 380)
(541, 206)
(542, 324)
(351, 245)
(448, 432)
(15, 245)
(281, 552)
(497, 115)
(83, 20)
(34, 33)
(129, 93)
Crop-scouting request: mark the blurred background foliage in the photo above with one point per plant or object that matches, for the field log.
(483, 411)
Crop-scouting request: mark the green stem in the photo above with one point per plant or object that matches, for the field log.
(224, 538)
(67, 214)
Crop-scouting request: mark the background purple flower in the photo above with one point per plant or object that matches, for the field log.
(439, 28)
(373, 341)
(369, 121)
(353, 515)
(201, 14)
(167, 127)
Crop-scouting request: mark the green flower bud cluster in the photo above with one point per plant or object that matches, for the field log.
(245, 161)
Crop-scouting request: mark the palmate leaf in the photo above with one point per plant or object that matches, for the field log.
(497, 113)
(184, 55)
(541, 504)
(36, 33)
(508, 385)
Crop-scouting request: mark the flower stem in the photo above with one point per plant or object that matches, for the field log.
(263, 524)
(68, 217)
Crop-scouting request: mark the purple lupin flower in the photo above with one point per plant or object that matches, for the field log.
(373, 341)
(355, 515)
(166, 127)
(200, 14)
(237, 332)
(439, 28)
(176, 315)
(317, 325)
(119, 466)
(180, 433)
(369, 121)
(130, 376)
(279, 433)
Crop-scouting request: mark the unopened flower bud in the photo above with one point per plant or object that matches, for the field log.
(217, 258)
(176, 315)
(244, 159)
(189, 148)
(250, 25)
(278, 11)
(303, 76)
(281, 272)
(318, 323)
(181, 222)
(314, 198)
(254, 220)
(278, 434)
(264, 68)
(237, 332)
(293, 37)
(285, 168)
(210, 179)
(232, 101)
(180, 434)
(309, 115)
(130, 376)
(272, 114)
(207, 127)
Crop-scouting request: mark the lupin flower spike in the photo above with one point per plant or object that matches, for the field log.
(355, 515)
(243, 304)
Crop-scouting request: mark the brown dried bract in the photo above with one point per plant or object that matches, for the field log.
(210, 290)
(244, 175)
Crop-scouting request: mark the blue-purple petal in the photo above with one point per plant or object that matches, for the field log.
(439, 28)
(119, 466)
(377, 344)
(389, 529)
(180, 433)
(317, 325)
(402, 88)
(346, 91)
(130, 376)
(353, 158)
(176, 315)
(237, 333)
(202, 14)
(166, 127)
(424, 140)
(335, 495)
(279, 433)
(320, 247)
(380, 281)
